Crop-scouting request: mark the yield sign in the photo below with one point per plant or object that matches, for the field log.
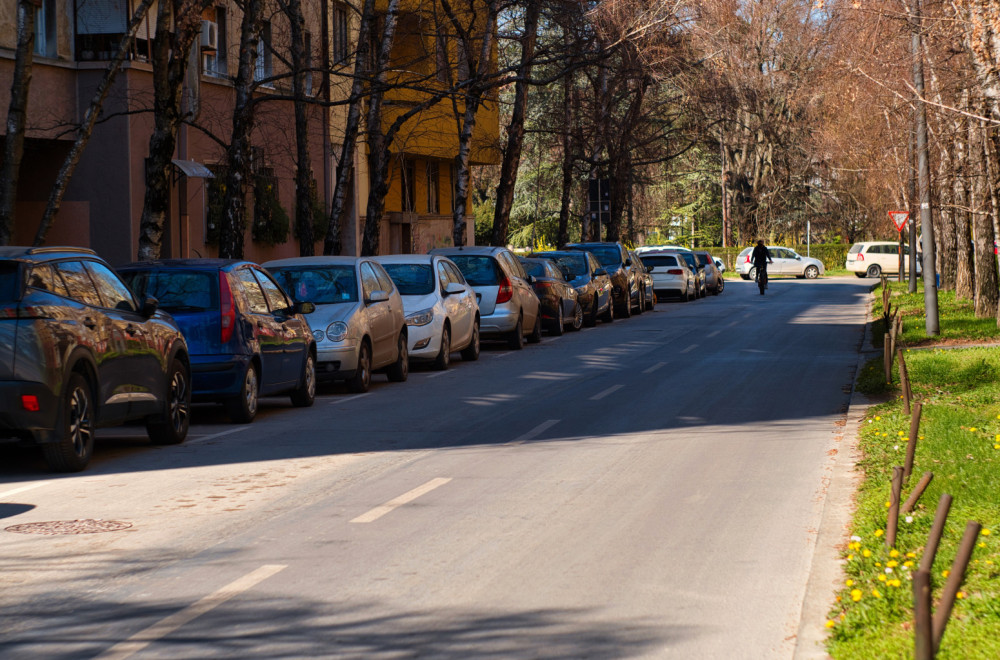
(899, 219)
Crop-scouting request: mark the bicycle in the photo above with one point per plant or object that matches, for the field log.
(761, 277)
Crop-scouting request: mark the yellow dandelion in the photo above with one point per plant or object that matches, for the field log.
(894, 553)
(908, 564)
(985, 532)
(850, 557)
(996, 446)
(892, 564)
(878, 532)
(911, 555)
(920, 437)
(960, 595)
(888, 504)
(876, 593)
(982, 545)
(945, 573)
(830, 624)
(849, 583)
(878, 563)
(894, 583)
(877, 418)
(866, 552)
(885, 435)
(973, 429)
(855, 595)
(881, 577)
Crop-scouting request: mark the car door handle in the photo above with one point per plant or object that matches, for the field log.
(90, 323)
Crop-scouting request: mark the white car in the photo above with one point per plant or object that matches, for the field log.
(358, 323)
(441, 310)
(671, 274)
(872, 258)
(785, 261)
(661, 248)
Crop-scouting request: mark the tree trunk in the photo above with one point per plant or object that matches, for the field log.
(378, 145)
(177, 26)
(232, 231)
(963, 237)
(348, 147)
(946, 233)
(17, 117)
(515, 130)
(567, 164)
(984, 237)
(87, 126)
(303, 169)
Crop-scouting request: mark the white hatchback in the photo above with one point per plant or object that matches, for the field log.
(872, 258)
(441, 310)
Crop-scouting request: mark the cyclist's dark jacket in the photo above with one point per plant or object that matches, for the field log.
(760, 256)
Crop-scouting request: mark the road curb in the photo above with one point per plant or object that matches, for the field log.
(826, 573)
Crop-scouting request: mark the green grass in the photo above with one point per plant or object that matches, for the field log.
(958, 441)
(957, 318)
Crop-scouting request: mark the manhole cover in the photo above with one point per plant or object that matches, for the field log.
(56, 527)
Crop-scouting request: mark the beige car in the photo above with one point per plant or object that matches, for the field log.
(872, 258)
(359, 324)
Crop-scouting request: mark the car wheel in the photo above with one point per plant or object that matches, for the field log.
(874, 270)
(362, 378)
(860, 274)
(515, 340)
(443, 358)
(243, 407)
(609, 315)
(74, 443)
(536, 331)
(471, 352)
(557, 328)
(642, 302)
(752, 274)
(399, 370)
(722, 286)
(627, 307)
(591, 319)
(173, 427)
(577, 322)
(811, 272)
(305, 395)
(651, 301)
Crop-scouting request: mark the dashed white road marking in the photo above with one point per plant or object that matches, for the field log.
(21, 489)
(436, 374)
(405, 498)
(499, 355)
(534, 433)
(690, 348)
(348, 398)
(610, 390)
(654, 367)
(164, 627)
(213, 436)
(713, 334)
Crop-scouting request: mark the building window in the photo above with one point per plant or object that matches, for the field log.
(215, 63)
(340, 33)
(45, 28)
(433, 181)
(263, 69)
(409, 187)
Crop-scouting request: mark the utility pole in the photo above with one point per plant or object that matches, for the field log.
(912, 221)
(932, 325)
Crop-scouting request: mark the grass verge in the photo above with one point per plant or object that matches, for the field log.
(958, 322)
(959, 442)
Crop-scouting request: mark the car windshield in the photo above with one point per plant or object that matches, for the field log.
(606, 254)
(535, 268)
(661, 261)
(176, 290)
(478, 271)
(320, 285)
(411, 279)
(576, 264)
(8, 281)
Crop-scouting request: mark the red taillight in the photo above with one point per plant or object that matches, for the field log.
(227, 314)
(30, 402)
(543, 285)
(675, 271)
(859, 257)
(748, 257)
(506, 291)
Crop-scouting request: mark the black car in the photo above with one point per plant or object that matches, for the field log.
(558, 299)
(644, 280)
(617, 262)
(591, 281)
(246, 336)
(78, 351)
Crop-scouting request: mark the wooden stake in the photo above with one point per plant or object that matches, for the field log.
(911, 442)
(887, 358)
(904, 381)
(892, 524)
(918, 490)
(923, 630)
(955, 578)
(934, 538)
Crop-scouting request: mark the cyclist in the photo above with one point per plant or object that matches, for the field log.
(760, 259)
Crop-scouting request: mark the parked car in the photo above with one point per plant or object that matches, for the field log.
(785, 262)
(507, 304)
(358, 321)
(661, 248)
(671, 274)
(616, 261)
(440, 307)
(645, 281)
(714, 282)
(591, 281)
(558, 299)
(872, 258)
(246, 338)
(79, 351)
(701, 287)
(720, 264)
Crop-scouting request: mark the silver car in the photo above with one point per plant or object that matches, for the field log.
(785, 261)
(508, 306)
(359, 324)
(441, 311)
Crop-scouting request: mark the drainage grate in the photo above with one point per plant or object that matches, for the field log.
(57, 527)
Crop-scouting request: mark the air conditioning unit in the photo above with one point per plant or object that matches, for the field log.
(209, 35)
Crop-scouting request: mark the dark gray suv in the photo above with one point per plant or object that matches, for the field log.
(78, 351)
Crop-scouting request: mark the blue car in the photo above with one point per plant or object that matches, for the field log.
(246, 337)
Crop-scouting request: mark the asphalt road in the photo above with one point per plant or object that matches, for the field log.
(647, 488)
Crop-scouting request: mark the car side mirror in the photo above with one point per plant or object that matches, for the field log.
(378, 296)
(628, 262)
(530, 279)
(453, 288)
(650, 269)
(303, 308)
(798, 258)
(600, 271)
(149, 306)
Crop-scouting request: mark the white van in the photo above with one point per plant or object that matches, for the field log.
(872, 258)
